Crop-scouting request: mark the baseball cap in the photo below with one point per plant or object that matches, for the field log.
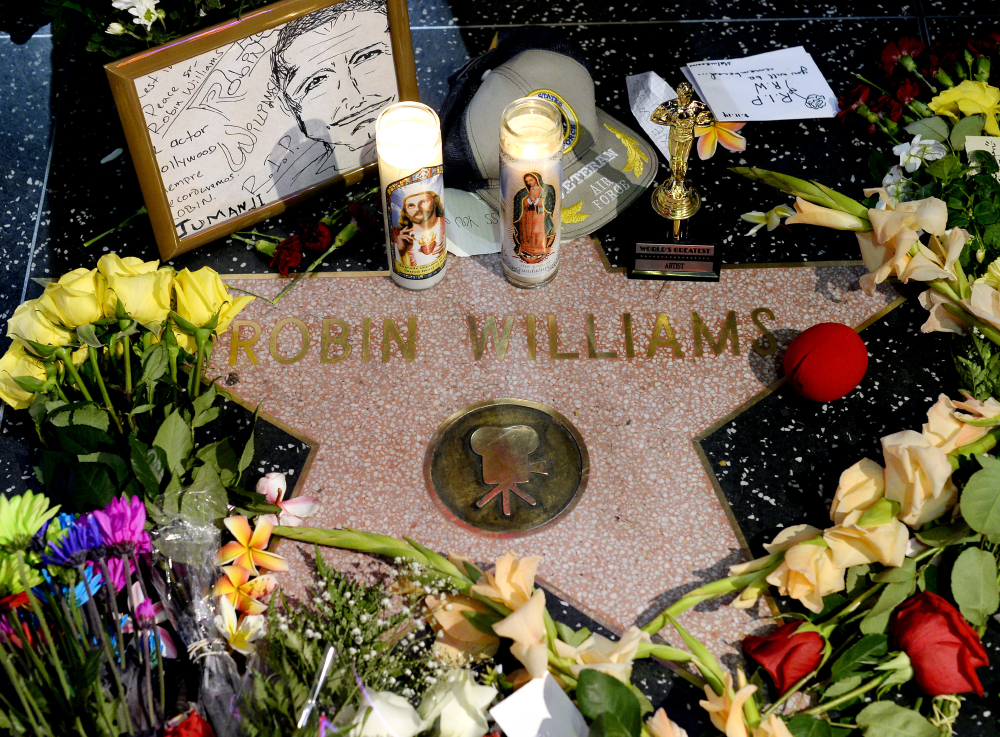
(606, 165)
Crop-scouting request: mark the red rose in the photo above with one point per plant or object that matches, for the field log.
(944, 650)
(887, 108)
(363, 218)
(192, 726)
(787, 656)
(287, 255)
(315, 236)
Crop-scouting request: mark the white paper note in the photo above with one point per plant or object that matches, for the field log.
(472, 227)
(646, 92)
(540, 708)
(778, 85)
(984, 143)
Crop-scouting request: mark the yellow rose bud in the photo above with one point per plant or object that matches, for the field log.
(918, 477)
(31, 322)
(76, 299)
(808, 573)
(860, 487)
(111, 265)
(18, 362)
(852, 544)
(200, 294)
(145, 297)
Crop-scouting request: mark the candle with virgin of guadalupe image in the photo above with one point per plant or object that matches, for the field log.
(531, 142)
(411, 174)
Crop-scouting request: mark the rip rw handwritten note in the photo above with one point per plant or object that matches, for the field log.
(778, 85)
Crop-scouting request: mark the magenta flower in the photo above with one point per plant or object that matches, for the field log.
(145, 615)
(121, 524)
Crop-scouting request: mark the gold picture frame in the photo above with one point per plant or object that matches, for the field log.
(254, 88)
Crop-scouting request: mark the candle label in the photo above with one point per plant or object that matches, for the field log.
(531, 198)
(416, 223)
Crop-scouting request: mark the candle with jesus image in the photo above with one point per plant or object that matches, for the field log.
(411, 173)
(531, 142)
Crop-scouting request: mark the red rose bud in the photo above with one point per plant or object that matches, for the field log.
(943, 649)
(287, 255)
(786, 656)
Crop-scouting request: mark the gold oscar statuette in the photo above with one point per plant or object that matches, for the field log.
(675, 198)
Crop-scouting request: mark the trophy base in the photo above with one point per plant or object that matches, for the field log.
(676, 202)
(672, 249)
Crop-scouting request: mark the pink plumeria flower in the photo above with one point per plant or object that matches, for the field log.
(159, 614)
(273, 486)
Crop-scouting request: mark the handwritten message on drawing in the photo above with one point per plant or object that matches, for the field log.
(253, 122)
(646, 92)
(778, 85)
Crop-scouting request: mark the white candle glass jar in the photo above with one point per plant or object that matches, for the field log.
(411, 175)
(531, 142)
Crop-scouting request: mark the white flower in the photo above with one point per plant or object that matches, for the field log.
(239, 633)
(386, 715)
(460, 702)
(115, 29)
(144, 12)
(771, 218)
(896, 187)
(912, 155)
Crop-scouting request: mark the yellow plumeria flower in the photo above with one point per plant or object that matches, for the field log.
(239, 633)
(771, 218)
(249, 549)
(709, 136)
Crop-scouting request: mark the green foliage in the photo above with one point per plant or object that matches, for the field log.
(384, 644)
(804, 725)
(606, 701)
(886, 719)
(974, 585)
(980, 498)
(895, 593)
(865, 651)
(977, 361)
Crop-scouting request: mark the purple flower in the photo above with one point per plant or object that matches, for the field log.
(145, 615)
(76, 544)
(121, 525)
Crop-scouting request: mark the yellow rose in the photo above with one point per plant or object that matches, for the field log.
(944, 428)
(726, 709)
(200, 294)
(860, 487)
(77, 298)
(970, 98)
(145, 297)
(600, 653)
(512, 581)
(852, 544)
(18, 362)
(918, 476)
(457, 640)
(31, 322)
(111, 265)
(808, 573)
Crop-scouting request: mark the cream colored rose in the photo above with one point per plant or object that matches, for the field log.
(808, 574)
(854, 545)
(31, 322)
(511, 582)
(946, 430)
(526, 627)
(145, 296)
(783, 541)
(76, 299)
(860, 487)
(918, 476)
(200, 294)
(885, 249)
(984, 303)
(18, 362)
(600, 653)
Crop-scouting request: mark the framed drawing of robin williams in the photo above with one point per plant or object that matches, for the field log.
(233, 124)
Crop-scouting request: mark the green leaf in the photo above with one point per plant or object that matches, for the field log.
(935, 129)
(970, 125)
(895, 575)
(986, 213)
(91, 415)
(843, 686)
(974, 585)
(609, 725)
(806, 725)
(599, 694)
(894, 594)
(886, 719)
(174, 437)
(155, 361)
(222, 458)
(112, 460)
(880, 513)
(142, 468)
(86, 334)
(206, 498)
(203, 418)
(946, 169)
(706, 662)
(856, 579)
(483, 622)
(981, 497)
(29, 383)
(91, 484)
(248, 450)
(944, 535)
(865, 650)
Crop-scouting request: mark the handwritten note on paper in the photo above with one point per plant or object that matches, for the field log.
(646, 92)
(989, 144)
(778, 85)
(472, 227)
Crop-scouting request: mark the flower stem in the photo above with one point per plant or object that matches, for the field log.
(144, 646)
(92, 608)
(788, 694)
(343, 237)
(29, 704)
(92, 353)
(127, 355)
(68, 361)
(113, 599)
(850, 695)
(156, 634)
(196, 374)
(43, 626)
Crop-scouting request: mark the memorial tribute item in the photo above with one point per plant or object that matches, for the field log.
(606, 165)
(411, 176)
(531, 143)
(232, 124)
(678, 255)
(826, 362)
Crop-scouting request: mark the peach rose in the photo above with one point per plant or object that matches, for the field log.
(852, 544)
(860, 487)
(945, 428)
(511, 582)
(808, 573)
(918, 476)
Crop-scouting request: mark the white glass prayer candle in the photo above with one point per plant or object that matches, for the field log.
(411, 174)
(531, 142)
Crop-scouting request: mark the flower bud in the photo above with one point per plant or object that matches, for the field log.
(273, 486)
